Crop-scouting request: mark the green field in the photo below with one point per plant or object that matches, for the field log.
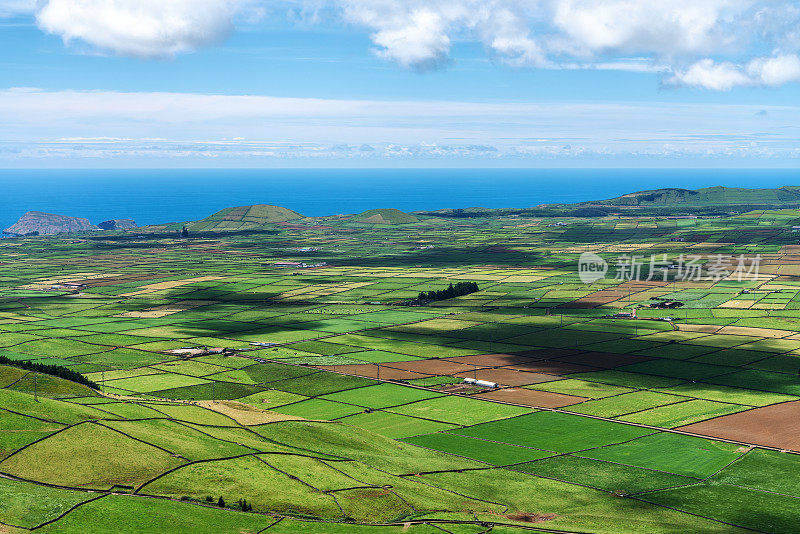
(331, 398)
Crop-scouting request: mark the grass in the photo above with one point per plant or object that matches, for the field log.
(749, 471)
(603, 475)
(319, 409)
(459, 411)
(720, 393)
(581, 509)
(247, 477)
(380, 396)
(476, 449)
(580, 388)
(89, 456)
(320, 384)
(29, 505)
(625, 403)
(683, 413)
(393, 425)
(142, 384)
(553, 432)
(673, 453)
(117, 513)
(193, 414)
(749, 508)
(530, 299)
(179, 439)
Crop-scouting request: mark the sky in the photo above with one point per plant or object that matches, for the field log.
(399, 83)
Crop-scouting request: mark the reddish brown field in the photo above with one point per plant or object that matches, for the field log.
(774, 426)
(529, 397)
(431, 367)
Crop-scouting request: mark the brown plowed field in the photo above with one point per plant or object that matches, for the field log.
(774, 426)
(431, 367)
(529, 397)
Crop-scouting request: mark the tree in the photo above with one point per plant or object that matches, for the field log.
(184, 232)
(458, 290)
(221, 502)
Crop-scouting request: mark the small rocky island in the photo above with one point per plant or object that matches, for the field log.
(40, 223)
(117, 224)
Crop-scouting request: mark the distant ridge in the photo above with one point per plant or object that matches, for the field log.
(667, 201)
(41, 223)
(385, 216)
(717, 196)
(243, 218)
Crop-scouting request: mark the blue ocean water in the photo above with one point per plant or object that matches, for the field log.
(158, 196)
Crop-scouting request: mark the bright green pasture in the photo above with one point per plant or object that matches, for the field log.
(477, 449)
(89, 456)
(459, 410)
(554, 432)
(380, 396)
(394, 425)
(117, 513)
(673, 453)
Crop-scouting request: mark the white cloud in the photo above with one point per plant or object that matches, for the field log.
(759, 72)
(714, 44)
(775, 71)
(140, 28)
(710, 75)
(662, 28)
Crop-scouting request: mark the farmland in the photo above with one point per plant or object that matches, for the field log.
(238, 391)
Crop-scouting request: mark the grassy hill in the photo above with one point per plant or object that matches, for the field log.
(657, 202)
(708, 196)
(243, 218)
(385, 216)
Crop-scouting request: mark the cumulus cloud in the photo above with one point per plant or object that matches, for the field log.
(419, 34)
(682, 38)
(139, 28)
(714, 44)
(663, 28)
(759, 72)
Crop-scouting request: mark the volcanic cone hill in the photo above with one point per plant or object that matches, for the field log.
(385, 216)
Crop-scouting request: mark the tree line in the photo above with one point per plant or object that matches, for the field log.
(458, 290)
(54, 370)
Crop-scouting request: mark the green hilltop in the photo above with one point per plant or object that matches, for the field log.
(243, 218)
(708, 196)
(655, 202)
(385, 216)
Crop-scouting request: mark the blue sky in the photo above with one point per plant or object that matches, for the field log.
(463, 83)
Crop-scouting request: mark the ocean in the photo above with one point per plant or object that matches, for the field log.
(157, 196)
